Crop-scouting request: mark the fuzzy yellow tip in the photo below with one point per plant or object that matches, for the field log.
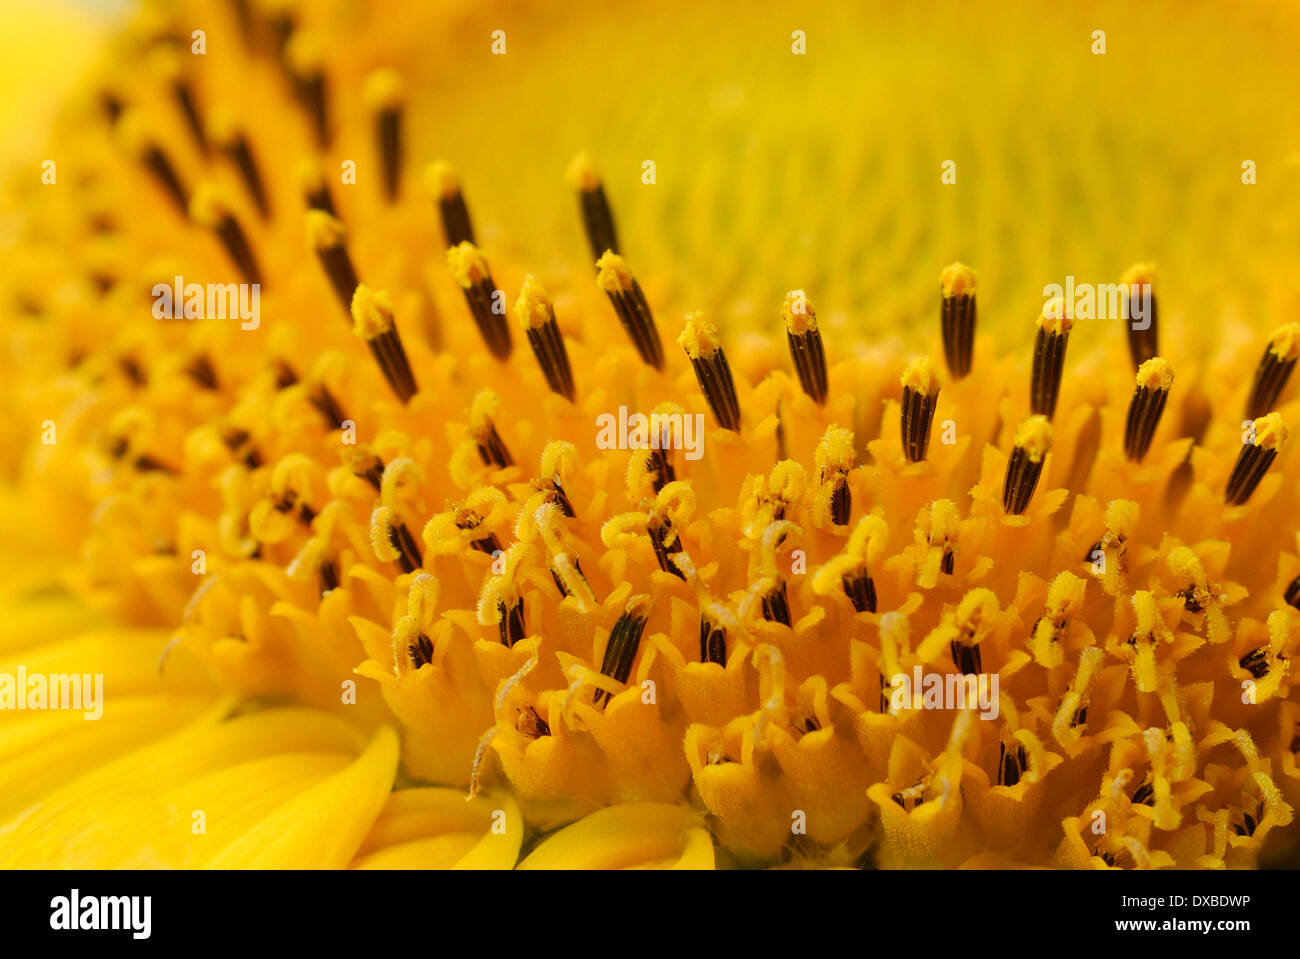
(468, 266)
(978, 607)
(1056, 317)
(582, 174)
(798, 313)
(1285, 342)
(922, 377)
(700, 338)
(310, 175)
(223, 125)
(372, 312)
(1155, 374)
(304, 53)
(166, 63)
(957, 279)
(944, 518)
(1065, 595)
(324, 231)
(207, 205)
(1141, 274)
(835, 451)
(383, 89)
(1186, 565)
(557, 454)
(613, 275)
(534, 306)
(1034, 436)
(870, 533)
(357, 460)
(1270, 432)
(1121, 517)
(485, 406)
(440, 179)
(638, 606)
(1145, 612)
(380, 535)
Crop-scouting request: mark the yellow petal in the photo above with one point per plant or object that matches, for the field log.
(634, 835)
(248, 776)
(433, 828)
(324, 826)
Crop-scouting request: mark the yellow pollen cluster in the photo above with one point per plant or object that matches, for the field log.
(1285, 342)
(440, 179)
(324, 232)
(922, 377)
(582, 173)
(1155, 374)
(1270, 432)
(957, 279)
(613, 275)
(1034, 436)
(1056, 316)
(699, 338)
(468, 266)
(383, 89)
(533, 308)
(798, 313)
(372, 312)
(1140, 275)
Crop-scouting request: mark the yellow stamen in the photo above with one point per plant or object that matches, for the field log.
(597, 218)
(372, 312)
(328, 238)
(209, 208)
(1155, 377)
(703, 346)
(1053, 336)
(921, 383)
(615, 277)
(1025, 465)
(441, 182)
(1255, 458)
(1274, 370)
(384, 94)
(536, 313)
(372, 321)
(486, 303)
(805, 342)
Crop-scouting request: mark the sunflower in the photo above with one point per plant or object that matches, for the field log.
(530, 438)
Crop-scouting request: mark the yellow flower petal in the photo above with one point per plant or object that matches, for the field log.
(437, 829)
(324, 826)
(633, 835)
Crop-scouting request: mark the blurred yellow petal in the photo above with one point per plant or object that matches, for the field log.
(634, 835)
(325, 825)
(303, 788)
(437, 829)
